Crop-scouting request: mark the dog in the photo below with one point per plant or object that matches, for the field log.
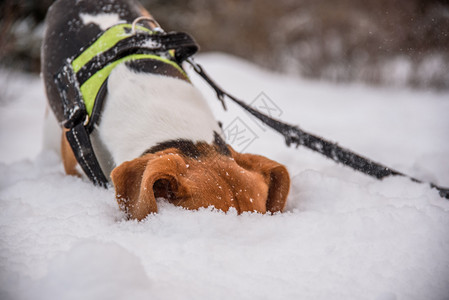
(156, 136)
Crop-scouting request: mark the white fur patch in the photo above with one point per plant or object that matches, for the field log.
(142, 110)
(104, 21)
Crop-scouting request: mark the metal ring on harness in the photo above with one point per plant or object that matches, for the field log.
(150, 19)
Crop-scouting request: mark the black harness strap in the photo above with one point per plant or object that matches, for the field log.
(183, 44)
(98, 106)
(69, 92)
(79, 140)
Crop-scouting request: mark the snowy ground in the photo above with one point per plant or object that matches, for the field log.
(343, 236)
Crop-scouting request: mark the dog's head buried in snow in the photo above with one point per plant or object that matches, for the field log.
(153, 135)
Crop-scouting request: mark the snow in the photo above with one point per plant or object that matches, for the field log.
(103, 20)
(343, 236)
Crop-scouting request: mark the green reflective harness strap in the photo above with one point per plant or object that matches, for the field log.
(90, 88)
(106, 41)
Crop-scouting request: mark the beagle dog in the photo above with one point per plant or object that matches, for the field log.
(156, 136)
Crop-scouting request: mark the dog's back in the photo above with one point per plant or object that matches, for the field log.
(71, 26)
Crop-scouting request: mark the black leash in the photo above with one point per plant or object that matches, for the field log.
(79, 126)
(294, 135)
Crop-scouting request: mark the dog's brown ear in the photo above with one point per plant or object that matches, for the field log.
(276, 177)
(128, 181)
(139, 182)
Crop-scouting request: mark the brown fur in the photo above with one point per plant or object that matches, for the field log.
(68, 158)
(244, 181)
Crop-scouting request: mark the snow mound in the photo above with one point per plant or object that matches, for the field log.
(343, 235)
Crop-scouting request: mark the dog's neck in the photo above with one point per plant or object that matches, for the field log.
(143, 110)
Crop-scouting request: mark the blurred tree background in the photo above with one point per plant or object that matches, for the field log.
(399, 42)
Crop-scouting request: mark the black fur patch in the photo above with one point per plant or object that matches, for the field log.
(154, 66)
(221, 146)
(187, 147)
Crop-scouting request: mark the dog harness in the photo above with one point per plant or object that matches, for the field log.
(82, 81)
